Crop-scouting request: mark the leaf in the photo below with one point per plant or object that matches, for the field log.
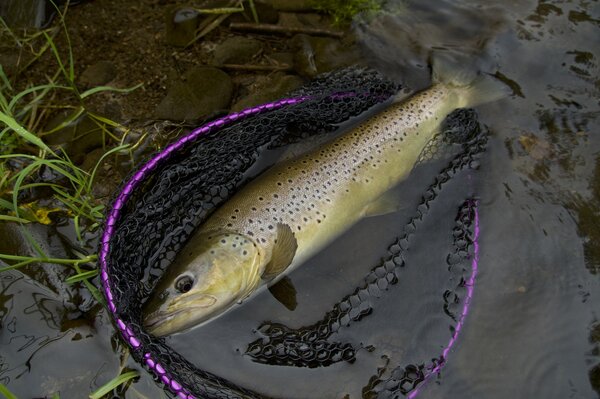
(112, 384)
(34, 213)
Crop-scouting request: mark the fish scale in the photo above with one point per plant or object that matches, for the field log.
(321, 193)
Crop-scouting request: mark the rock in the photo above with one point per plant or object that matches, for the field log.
(266, 14)
(98, 74)
(283, 58)
(237, 50)
(291, 5)
(315, 55)
(268, 88)
(181, 26)
(201, 91)
(15, 240)
(77, 137)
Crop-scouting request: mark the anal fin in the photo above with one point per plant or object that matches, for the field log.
(285, 292)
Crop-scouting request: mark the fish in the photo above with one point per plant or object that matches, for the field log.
(291, 211)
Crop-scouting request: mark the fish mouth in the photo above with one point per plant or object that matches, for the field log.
(155, 319)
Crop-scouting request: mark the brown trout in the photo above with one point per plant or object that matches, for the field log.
(291, 211)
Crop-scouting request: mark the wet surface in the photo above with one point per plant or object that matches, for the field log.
(533, 326)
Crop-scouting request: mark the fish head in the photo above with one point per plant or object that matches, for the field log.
(213, 271)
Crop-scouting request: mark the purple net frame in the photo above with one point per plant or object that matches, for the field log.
(127, 333)
(470, 285)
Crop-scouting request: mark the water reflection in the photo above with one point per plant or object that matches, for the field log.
(533, 331)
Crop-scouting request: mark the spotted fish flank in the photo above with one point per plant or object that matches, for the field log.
(295, 208)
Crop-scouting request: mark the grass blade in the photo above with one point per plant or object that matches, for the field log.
(112, 384)
(33, 242)
(7, 394)
(7, 218)
(16, 265)
(98, 89)
(5, 78)
(82, 276)
(44, 88)
(90, 181)
(24, 133)
(6, 204)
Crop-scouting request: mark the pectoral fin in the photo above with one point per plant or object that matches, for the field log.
(283, 252)
(285, 292)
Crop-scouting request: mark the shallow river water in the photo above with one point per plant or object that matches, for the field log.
(533, 329)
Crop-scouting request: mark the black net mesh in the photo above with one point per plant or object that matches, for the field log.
(182, 190)
(390, 382)
(168, 204)
(309, 346)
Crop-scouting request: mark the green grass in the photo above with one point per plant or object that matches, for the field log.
(114, 383)
(22, 116)
(23, 113)
(6, 393)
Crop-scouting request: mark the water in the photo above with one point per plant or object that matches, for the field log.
(532, 330)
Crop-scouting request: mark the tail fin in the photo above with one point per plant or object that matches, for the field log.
(473, 86)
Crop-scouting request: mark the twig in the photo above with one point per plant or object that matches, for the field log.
(247, 67)
(214, 22)
(270, 28)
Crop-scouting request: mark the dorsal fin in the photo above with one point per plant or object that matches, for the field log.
(283, 252)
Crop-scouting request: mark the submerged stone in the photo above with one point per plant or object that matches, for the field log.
(315, 55)
(237, 50)
(268, 88)
(76, 135)
(200, 92)
(98, 74)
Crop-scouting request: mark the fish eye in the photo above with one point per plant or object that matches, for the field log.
(184, 284)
